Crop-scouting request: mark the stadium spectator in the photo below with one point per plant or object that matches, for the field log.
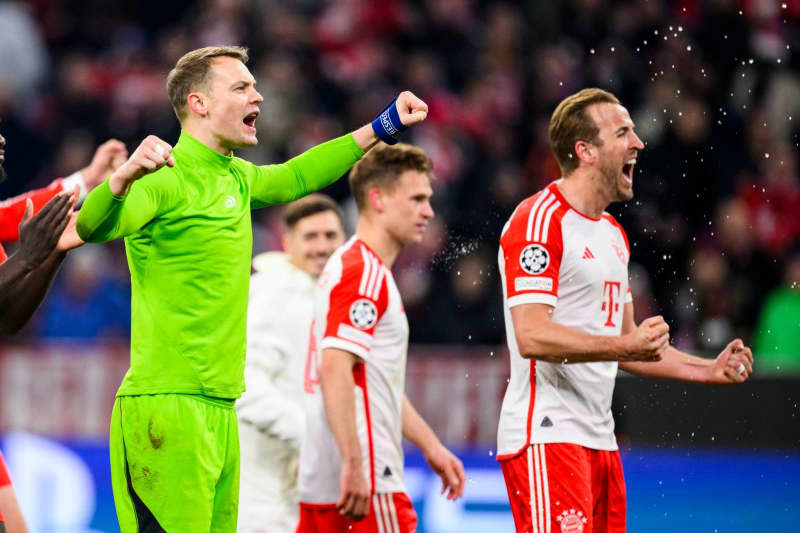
(777, 334)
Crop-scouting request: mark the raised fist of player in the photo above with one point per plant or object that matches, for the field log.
(411, 109)
(151, 155)
(734, 364)
(648, 341)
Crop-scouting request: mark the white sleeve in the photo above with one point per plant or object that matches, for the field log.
(263, 404)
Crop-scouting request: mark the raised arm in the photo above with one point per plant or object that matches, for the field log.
(26, 275)
(115, 208)
(733, 365)
(107, 158)
(440, 459)
(323, 164)
(538, 337)
(338, 392)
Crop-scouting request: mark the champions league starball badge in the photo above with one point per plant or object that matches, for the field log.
(534, 259)
(363, 314)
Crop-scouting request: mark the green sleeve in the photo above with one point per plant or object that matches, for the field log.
(105, 216)
(308, 172)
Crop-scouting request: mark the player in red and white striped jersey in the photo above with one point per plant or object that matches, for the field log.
(351, 461)
(570, 326)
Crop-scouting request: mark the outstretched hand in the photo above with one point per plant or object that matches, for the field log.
(411, 109)
(734, 364)
(450, 469)
(108, 157)
(39, 234)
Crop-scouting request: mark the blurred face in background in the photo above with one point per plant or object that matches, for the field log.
(617, 149)
(312, 240)
(232, 103)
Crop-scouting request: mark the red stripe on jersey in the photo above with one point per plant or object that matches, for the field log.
(535, 225)
(359, 299)
(12, 209)
(360, 377)
(528, 425)
(3, 255)
(5, 477)
(613, 221)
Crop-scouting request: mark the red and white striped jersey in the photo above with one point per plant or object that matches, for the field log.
(552, 254)
(357, 308)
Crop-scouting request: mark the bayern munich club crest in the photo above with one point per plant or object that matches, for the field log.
(571, 521)
(363, 314)
(534, 259)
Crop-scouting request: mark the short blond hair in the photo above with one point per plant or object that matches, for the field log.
(191, 71)
(383, 165)
(570, 123)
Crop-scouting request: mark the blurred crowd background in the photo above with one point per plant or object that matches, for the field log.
(713, 87)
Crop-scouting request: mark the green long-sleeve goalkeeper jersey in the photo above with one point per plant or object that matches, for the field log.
(189, 241)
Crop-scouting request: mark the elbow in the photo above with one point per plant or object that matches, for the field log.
(530, 348)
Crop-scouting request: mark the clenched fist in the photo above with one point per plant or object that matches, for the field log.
(151, 155)
(411, 109)
(648, 341)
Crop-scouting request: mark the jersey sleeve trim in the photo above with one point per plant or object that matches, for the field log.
(533, 298)
(347, 346)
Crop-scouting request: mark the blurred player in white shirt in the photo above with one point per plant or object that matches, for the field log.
(351, 462)
(569, 324)
(271, 417)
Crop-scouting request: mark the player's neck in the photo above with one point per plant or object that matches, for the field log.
(205, 136)
(582, 192)
(379, 240)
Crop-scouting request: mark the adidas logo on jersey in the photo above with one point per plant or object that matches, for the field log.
(387, 472)
(587, 253)
(546, 422)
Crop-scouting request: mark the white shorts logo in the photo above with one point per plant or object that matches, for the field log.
(363, 314)
(571, 521)
(534, 259)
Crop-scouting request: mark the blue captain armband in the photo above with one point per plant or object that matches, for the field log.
(387, 125)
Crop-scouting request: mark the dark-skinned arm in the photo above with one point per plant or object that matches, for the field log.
(26, 275)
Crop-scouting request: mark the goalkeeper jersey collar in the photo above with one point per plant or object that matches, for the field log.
(190, 148)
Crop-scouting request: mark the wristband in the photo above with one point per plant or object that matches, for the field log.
(72, 180)
(387, 125)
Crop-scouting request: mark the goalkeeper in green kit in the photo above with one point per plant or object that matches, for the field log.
(185, 216)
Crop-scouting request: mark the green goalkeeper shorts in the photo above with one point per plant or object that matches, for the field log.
(175, 463)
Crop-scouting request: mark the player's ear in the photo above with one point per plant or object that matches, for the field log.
(286, 241)
(375, 199)
(585, 152)
(197, 103)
